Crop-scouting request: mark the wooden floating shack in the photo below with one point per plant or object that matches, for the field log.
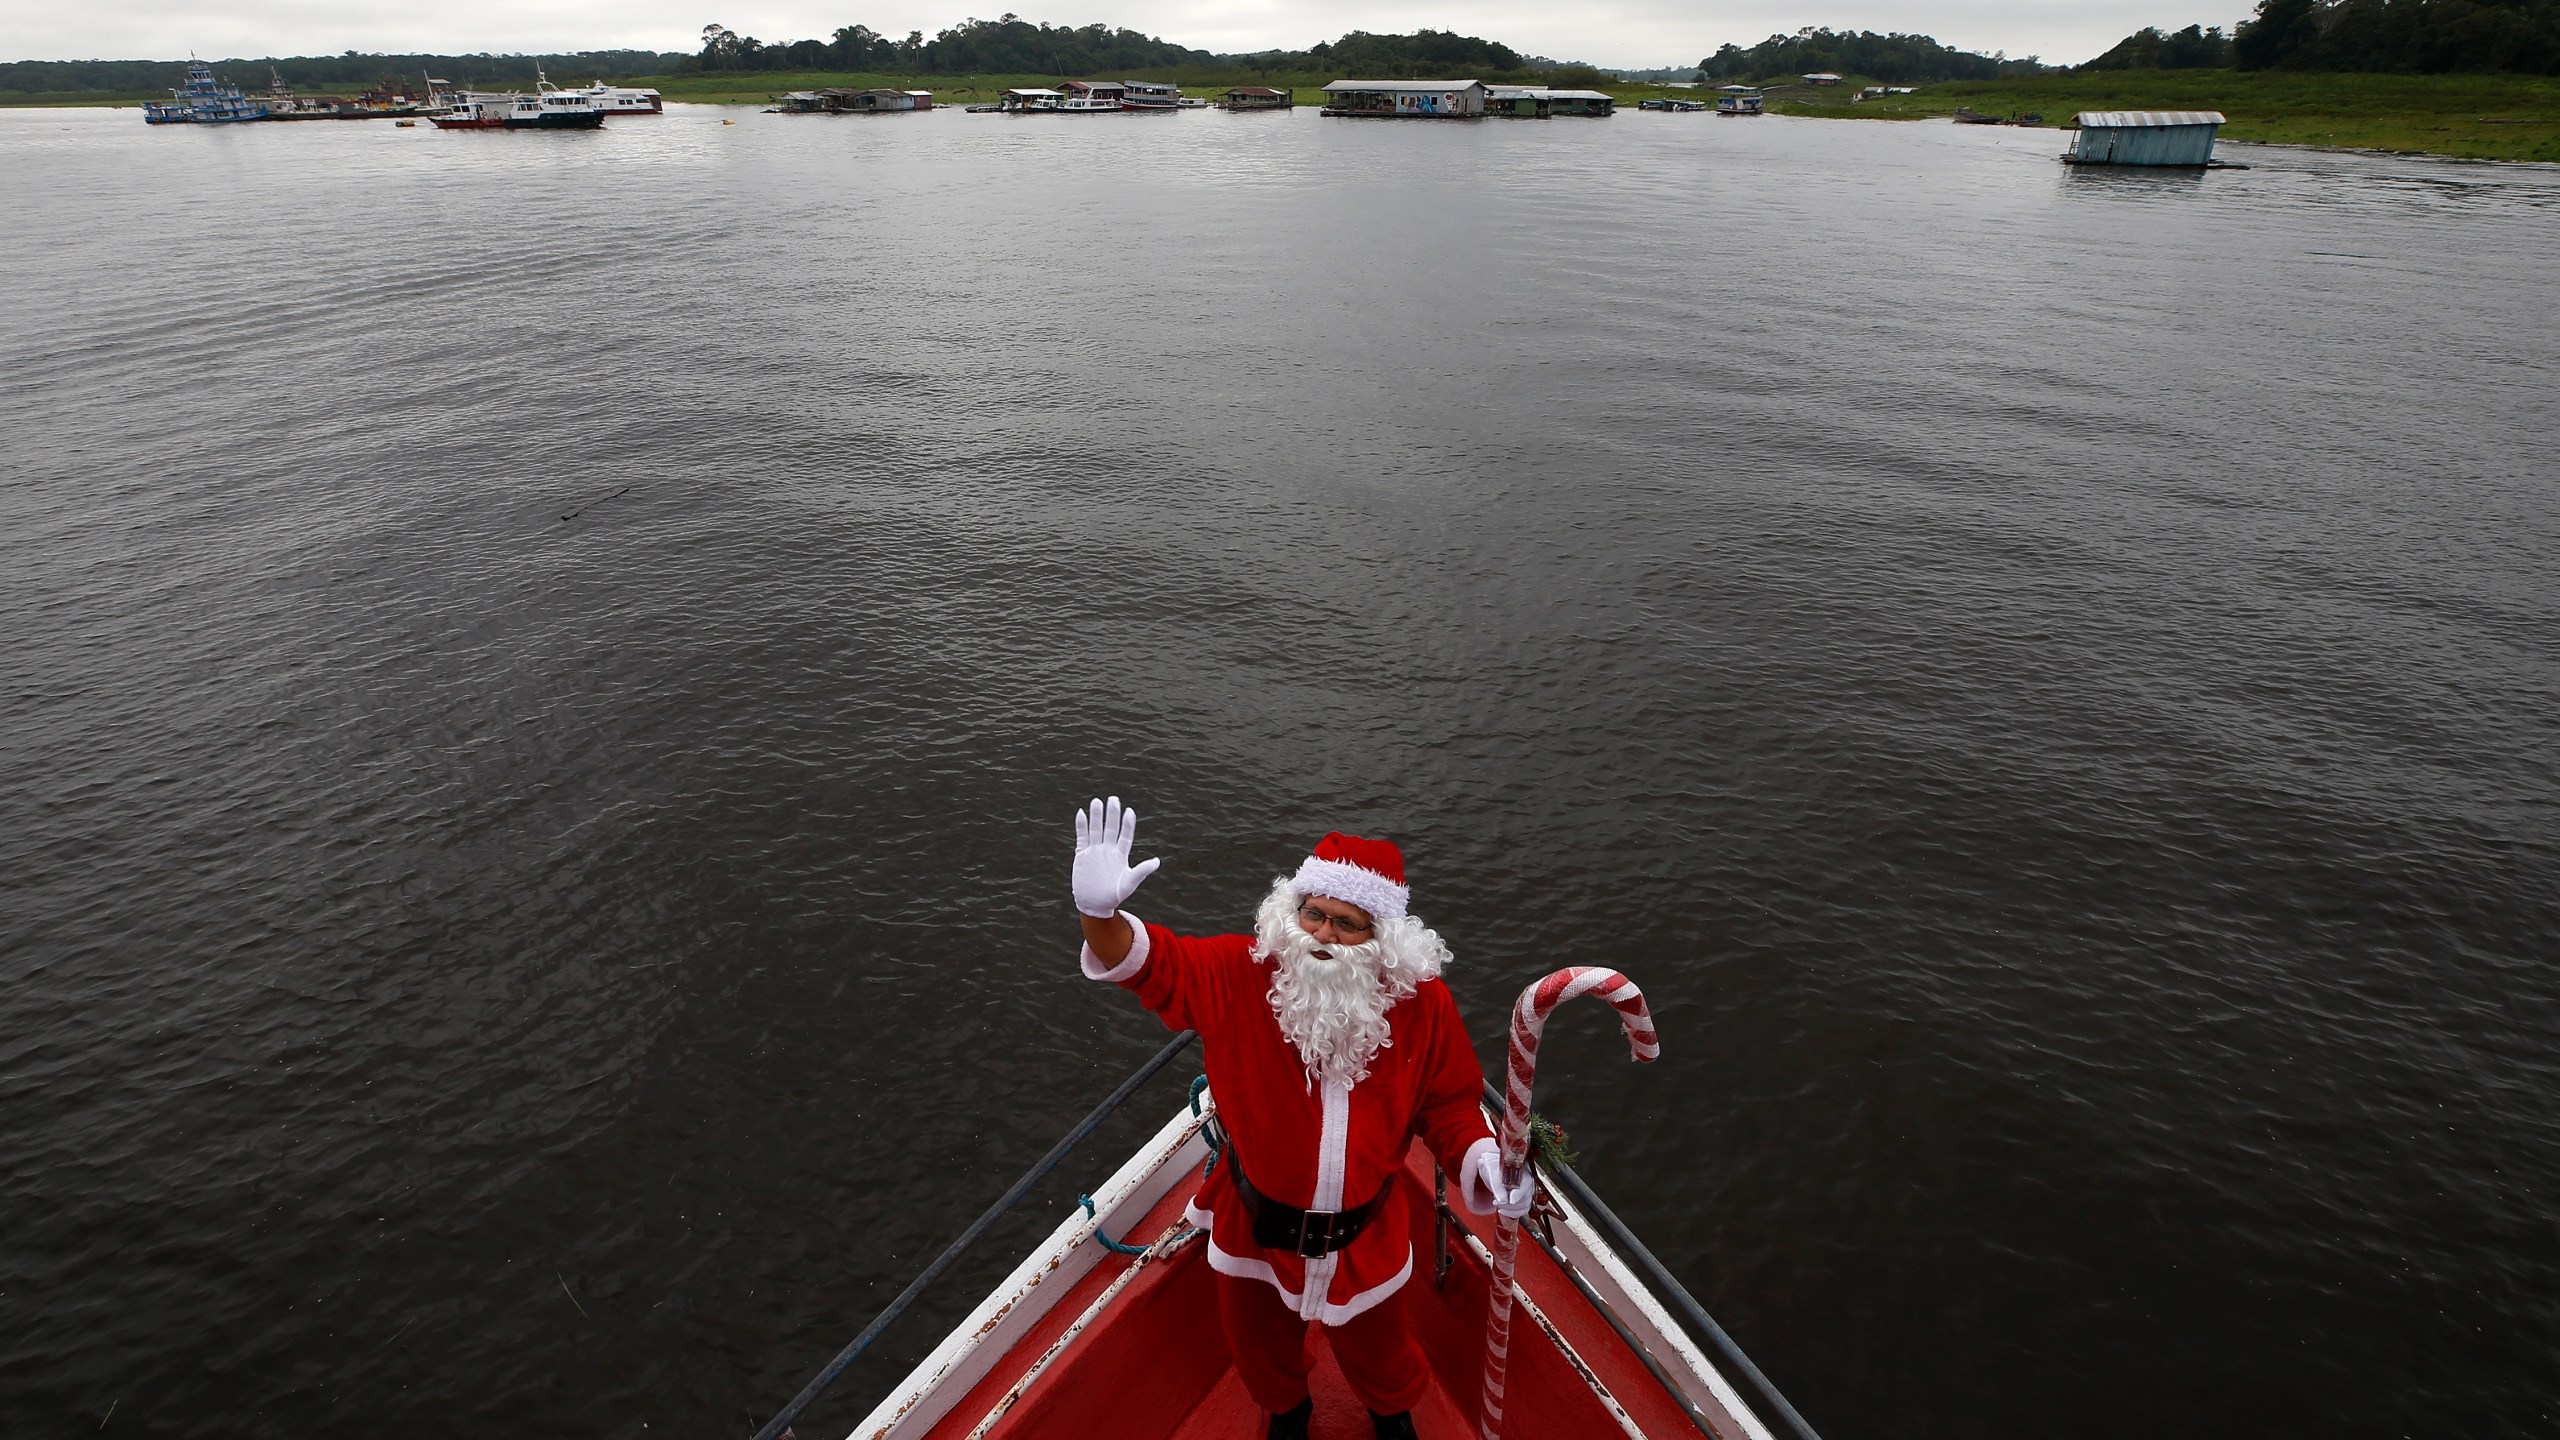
(1406, 99)
(1539, 102)
(1258, 97)
(2146, 137)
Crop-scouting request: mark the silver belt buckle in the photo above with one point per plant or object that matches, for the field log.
(1306, 1223)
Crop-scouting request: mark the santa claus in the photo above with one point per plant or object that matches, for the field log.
(1329, 1040)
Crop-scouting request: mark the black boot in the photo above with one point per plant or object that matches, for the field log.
(1291, 1425)
(1398, 1426)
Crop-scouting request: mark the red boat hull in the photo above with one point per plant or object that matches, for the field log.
(1151, 1366)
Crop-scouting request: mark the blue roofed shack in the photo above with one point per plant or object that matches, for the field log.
(2146, 137)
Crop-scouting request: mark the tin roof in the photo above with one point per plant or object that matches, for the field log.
(1579, 95)
(1392, 85)
(2141, 119)
(1255, 90)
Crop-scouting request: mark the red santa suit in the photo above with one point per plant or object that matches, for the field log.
(1312, 1144)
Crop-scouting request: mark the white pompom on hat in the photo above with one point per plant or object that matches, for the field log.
(1366, 873)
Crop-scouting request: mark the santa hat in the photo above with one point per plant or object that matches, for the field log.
(1366, 873)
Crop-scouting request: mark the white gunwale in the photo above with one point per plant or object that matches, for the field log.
(975, 1345)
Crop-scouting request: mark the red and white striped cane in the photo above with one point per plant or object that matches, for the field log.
(1528, 1022)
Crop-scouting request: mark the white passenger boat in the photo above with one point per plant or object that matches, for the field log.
(1091, 97)
(552, 108)
(620, 100)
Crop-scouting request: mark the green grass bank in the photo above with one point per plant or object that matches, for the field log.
(2483, 117)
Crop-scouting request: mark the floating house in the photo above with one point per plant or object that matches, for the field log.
(1029, 99)
(1820, 77)
(1406, 99)
(1593, 103)
(835, 100)
(1747, 103)
(882, 102)
(2145, 137)
(1258, 97)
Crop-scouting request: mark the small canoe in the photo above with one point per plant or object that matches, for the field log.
(1110, 1327)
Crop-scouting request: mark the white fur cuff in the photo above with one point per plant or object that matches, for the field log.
(1137, 961)
(1383, 898)
(1471, 1189)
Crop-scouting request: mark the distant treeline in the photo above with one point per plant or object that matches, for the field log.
(2194, 48)
(2424, 36)
(1909, 59)
(1422, 55)
(315, 73)
(1009, 46)
(1012, 45)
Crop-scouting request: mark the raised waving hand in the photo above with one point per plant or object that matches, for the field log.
(1104, 878)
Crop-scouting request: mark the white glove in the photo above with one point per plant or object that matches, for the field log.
(1104, 880)
(1512, 1194)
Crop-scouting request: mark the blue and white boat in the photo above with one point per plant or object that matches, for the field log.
(203, 101)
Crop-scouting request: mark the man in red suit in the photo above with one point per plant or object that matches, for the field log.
(1329, 1040)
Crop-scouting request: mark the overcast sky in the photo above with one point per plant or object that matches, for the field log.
(1626, 33)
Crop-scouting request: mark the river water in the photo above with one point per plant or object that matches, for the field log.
(548, 674)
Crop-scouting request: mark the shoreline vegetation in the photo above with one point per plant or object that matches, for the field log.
(2473, 117)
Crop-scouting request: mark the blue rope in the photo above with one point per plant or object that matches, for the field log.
(1114, 1246)
(1198, 1084)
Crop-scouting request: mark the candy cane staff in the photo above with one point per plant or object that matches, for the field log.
(1528, 1023)
(1334, 997)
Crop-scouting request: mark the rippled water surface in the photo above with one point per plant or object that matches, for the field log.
(547, 675)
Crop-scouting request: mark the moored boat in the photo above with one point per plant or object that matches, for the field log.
(470, 110)
(1146, 95)
(623, 100)
(552, 108)
(1090, 97)
(283, 104)
(1739, 104)
(203, 100)
(1096, 1335)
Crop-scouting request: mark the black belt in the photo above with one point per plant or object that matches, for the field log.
(1313, 1234)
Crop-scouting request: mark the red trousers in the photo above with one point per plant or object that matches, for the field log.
(1269, 1342)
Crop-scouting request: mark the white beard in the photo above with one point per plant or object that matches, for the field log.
(1332, 1000)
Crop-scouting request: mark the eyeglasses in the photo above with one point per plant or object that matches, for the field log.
(1311, 917)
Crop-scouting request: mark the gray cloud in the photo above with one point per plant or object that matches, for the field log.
(1607, 32)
